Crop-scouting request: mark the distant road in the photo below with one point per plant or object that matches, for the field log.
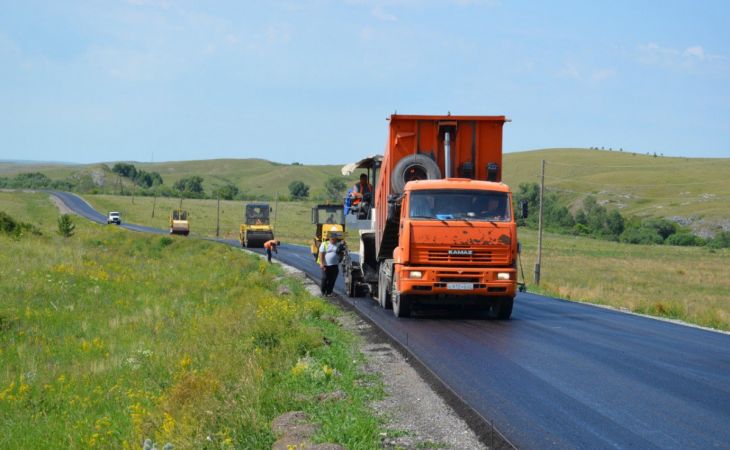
(561, 374)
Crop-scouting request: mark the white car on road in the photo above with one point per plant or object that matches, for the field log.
(114, 217)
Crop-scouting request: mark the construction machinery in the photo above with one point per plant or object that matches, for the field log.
(441, 229)
(256, 229)
(327, 219)
(179, 223)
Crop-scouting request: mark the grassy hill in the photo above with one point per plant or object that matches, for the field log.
(251, 176)
(690, 190)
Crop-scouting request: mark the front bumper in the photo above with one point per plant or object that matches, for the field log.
(457, 281)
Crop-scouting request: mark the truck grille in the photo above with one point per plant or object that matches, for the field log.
(479, 256)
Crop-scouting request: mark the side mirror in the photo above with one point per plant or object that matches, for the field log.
(523, 205)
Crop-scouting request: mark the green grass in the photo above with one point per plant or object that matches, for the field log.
(687, 283)
(635, 184)
(111, 337)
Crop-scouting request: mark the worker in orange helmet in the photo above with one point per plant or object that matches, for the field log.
(270, 246)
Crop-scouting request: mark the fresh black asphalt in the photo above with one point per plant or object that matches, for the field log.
(561, 374)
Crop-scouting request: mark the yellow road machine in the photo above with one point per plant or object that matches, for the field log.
(328, 219)
(179, 222)
(256, 229)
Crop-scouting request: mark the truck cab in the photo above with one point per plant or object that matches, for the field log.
(457, 240)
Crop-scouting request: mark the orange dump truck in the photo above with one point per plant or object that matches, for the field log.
(442, 228)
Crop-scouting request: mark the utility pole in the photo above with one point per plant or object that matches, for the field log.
(154, 203)
(276, 206)
(540, 225)
(218, 220)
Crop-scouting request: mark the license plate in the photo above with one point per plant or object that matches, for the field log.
(460, 286)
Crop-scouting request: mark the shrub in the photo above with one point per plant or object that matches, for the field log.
(14, 227)
(721, 240)
(66, 226)
(641, 236)
(684, 239)
(227, 192)
(298, 190)
(334, 188)
(190, 186)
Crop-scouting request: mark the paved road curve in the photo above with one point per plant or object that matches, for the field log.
(562, 374)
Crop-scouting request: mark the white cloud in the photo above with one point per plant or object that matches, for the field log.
(379, 13)
(572, 71)
(697, 51)
(603, 74)
(691, 58)
(569, 70)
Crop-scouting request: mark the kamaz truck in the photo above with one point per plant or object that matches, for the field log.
(442, 228)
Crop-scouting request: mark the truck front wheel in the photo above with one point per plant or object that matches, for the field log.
(401, 304)
(504, 308)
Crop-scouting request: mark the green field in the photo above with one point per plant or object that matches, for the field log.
(110, 337)
(687, 283)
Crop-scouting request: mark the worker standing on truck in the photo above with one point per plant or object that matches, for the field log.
(270, 246)
(360, 189)
(329, 258)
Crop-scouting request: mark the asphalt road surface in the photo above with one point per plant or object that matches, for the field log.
(561, 374)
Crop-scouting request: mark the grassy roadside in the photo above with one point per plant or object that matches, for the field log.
(108, 338)
(687, 283)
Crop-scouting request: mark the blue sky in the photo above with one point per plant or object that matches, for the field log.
(313, 80)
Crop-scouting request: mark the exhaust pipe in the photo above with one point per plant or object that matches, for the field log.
(447, 154)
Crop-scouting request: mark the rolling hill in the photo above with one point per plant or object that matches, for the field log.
(692, 191)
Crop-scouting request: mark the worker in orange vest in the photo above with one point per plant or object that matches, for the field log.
(271, 245)
(360, 189)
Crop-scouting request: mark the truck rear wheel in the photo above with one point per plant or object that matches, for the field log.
(383, 297)
(504, 308)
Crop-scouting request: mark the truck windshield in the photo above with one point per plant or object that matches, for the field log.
(453, 204)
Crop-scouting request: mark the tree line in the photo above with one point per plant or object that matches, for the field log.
(151, 183)
(595, 220)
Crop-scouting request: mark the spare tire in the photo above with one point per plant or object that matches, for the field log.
(413, 167)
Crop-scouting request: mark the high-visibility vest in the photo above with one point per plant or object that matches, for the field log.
(365, 188)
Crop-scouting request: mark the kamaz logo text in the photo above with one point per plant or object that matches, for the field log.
(460, 252)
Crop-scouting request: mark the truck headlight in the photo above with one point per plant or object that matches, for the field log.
(415, 274)
(503, 275)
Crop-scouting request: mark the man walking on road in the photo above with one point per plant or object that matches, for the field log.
(329, 258)
(271, 245)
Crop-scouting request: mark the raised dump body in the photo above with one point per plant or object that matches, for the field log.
(443, 224)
